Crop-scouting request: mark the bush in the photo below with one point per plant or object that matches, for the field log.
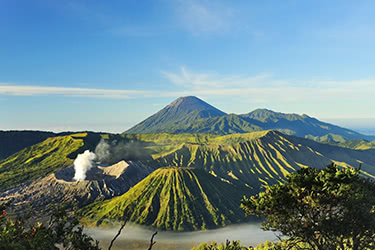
(17, 234)
(234, 245)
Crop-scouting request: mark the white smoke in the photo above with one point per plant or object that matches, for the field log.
(82, 163)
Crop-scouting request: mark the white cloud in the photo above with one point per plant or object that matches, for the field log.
(31, 90)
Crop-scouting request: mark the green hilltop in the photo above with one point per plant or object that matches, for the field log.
(180, 199)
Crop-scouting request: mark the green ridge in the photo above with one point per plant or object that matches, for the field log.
(255, 159)
(40, 159)
(174, 199)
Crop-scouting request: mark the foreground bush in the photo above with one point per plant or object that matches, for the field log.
(17, 234)
(234, 245)
(328, 209)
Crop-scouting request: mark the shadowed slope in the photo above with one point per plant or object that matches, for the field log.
(174, 199)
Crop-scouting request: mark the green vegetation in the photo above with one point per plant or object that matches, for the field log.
(40, 159)
(331, 208)
(174, 199)
(253, 159)
(234, 245)
(18, 234)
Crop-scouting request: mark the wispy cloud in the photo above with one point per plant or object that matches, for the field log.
(203, 17)
(265, 89)
(32, 90)
(194, 80)
(331, 98)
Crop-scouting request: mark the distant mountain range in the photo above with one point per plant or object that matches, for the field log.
(192, 115)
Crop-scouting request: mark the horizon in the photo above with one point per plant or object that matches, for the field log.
(79, 65)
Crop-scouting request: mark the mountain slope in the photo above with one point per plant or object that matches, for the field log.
(182, 111)
(43, 158)
(174, 199)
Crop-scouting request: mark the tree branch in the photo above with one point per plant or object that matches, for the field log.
(118, 234)
(152, 242)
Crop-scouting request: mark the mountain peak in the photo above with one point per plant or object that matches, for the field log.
(192, 103)
(183, 110)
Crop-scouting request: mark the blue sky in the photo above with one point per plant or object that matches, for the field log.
(107, 65)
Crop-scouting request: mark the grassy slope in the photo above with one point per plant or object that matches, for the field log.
(42, 158)
(253, 158)
(175, 199)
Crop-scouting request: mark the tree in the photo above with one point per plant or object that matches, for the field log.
(326, 209)
(17, 233)
(62, 230)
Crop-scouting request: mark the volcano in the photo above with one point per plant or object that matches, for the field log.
(174, 198)
(102, 182)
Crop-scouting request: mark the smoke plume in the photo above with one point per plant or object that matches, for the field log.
(110, 152)
(82, 163)
(102, 150)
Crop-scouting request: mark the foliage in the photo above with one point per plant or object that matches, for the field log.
(234, 245)
(331, 208)
(61, 230)
(178, 199)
